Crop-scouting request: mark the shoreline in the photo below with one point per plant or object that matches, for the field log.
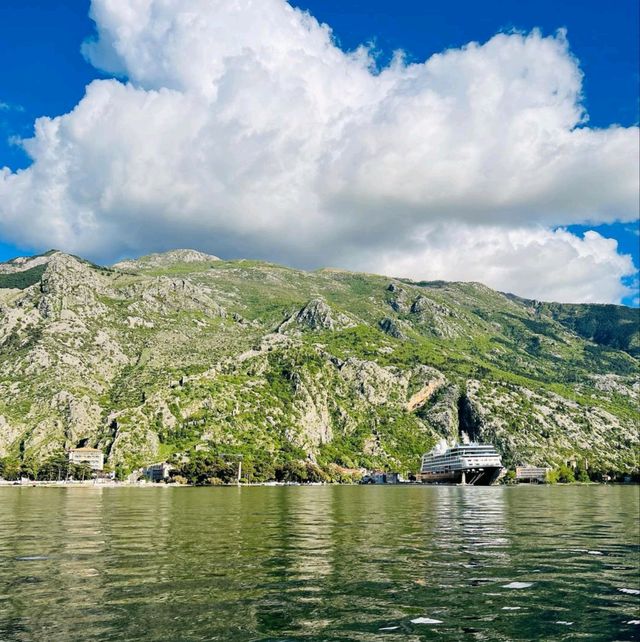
(115, 484)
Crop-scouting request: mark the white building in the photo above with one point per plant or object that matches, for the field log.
(531, 474)
(91, 456)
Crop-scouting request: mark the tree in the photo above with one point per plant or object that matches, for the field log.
(316, 474)
(581, 474)
(565, 475)
(81, 471)
(534, 345)
(202, 468)
(263, 471)
(55, 467)
(10, 468)
(510, 477)
(292, 471)
(552, 477)
(29, 468)
(122, 472)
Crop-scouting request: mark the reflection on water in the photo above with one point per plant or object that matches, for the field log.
(319, 563)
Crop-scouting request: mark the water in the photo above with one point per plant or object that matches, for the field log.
(319, 563)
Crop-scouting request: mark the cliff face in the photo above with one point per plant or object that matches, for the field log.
(184, 353)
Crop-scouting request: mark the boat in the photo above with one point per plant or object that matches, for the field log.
(471, 463)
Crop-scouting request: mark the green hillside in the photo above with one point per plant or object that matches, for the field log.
(185, 357)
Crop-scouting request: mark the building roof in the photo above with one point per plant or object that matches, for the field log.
(84, 450)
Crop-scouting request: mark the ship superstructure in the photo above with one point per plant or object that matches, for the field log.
(472, 463)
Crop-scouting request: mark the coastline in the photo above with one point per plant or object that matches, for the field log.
(115, 484)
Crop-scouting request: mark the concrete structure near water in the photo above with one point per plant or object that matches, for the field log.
(379, 477)
(531, 474)
(90, 456)
(157, 472)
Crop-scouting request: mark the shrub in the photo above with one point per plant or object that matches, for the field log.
(9, 468)
(581, 474)
(565, 475)
(552, 477)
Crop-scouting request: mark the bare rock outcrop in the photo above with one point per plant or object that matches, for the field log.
(315, 315)
(165, 259)
(422, 396)
(9, 432)
(438, 319)
(23, 263)
(391, 327)
(374, 383)
(165, 295)
(81, 417)
(71, 284)
(399, 301)
(442, 413)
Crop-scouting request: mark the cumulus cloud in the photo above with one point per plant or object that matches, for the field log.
(587, 269)
(241, 128)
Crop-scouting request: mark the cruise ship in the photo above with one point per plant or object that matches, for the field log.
(472, 463)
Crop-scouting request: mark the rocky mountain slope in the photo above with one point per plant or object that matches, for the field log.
(182, 353)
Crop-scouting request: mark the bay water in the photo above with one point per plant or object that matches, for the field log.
(321, 563)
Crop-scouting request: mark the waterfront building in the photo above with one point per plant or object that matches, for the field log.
(531, 474)
(91, 456)
(381, 477)
(157, 472)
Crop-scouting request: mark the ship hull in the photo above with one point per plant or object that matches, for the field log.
(473, 477)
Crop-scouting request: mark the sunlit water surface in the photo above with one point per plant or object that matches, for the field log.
(320, 563)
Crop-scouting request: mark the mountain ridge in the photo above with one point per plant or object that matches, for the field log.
(180, 357)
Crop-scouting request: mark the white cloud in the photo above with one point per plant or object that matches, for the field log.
(244, 130)
(535, 261)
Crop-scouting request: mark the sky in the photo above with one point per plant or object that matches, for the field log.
(493, 141)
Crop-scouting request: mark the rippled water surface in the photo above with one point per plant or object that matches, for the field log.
(320, 563)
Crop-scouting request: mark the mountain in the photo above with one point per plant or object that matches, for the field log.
(616, 326)
(178, 354)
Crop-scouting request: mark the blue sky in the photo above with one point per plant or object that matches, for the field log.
(42, 71)
(604, 37)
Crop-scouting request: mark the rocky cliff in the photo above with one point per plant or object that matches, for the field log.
(179, 353)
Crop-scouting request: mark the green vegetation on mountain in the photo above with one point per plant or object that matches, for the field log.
(24, 279)
(615, 326)
(186, 358)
